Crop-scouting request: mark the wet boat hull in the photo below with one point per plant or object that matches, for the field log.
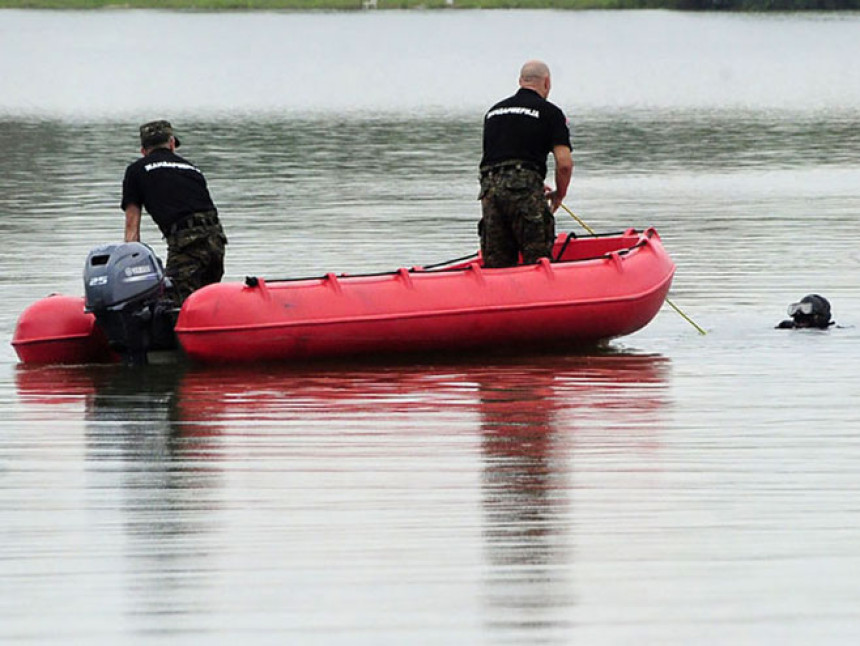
(599, 290)
(595, 289)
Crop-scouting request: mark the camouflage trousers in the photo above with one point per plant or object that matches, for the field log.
(195, 257)
(515, 218)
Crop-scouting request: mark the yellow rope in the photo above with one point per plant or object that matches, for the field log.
(668, 300)
(577, 218)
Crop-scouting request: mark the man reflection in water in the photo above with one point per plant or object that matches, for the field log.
(519, 133)
(174, 193)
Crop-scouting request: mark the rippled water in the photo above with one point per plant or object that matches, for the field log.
(670, 489)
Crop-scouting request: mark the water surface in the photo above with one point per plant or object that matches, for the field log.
(668, 489)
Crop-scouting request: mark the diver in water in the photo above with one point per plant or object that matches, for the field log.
(813, 311)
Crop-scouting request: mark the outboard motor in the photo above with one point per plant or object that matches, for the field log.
(124, 285)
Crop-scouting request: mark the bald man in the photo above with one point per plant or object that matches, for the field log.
(516, 206)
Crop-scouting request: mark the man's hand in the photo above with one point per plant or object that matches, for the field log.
(553, 197)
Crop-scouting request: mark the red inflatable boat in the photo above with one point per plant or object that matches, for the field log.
(596, 288)
(57, 330)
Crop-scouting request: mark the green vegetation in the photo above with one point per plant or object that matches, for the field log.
(297, 5)
(344, 5)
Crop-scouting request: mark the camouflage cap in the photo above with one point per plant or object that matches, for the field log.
(156, 133)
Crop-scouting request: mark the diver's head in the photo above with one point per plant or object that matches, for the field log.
(811, 311)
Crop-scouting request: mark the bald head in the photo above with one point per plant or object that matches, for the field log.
(534, 75)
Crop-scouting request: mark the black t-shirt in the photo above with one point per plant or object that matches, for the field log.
(167, 186)
(523, 127)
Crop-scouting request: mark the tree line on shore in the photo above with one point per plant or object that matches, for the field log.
(320, 5)
(767, 5)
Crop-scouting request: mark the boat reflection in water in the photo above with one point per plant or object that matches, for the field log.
(135, 408)
(179, 438)
(153, 482)
(538, 427)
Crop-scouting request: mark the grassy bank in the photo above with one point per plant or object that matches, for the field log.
(323, 5)
(349, 5)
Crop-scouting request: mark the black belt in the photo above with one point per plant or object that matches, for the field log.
(195, 220)
(513, 165)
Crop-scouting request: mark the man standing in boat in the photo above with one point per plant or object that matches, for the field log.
(517, 208)
(174, 192)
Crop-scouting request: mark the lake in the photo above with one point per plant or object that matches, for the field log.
(671, 488)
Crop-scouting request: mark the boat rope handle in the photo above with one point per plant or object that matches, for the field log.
(454, 263)
(570, 236)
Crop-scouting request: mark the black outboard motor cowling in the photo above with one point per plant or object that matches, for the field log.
(124, 285)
